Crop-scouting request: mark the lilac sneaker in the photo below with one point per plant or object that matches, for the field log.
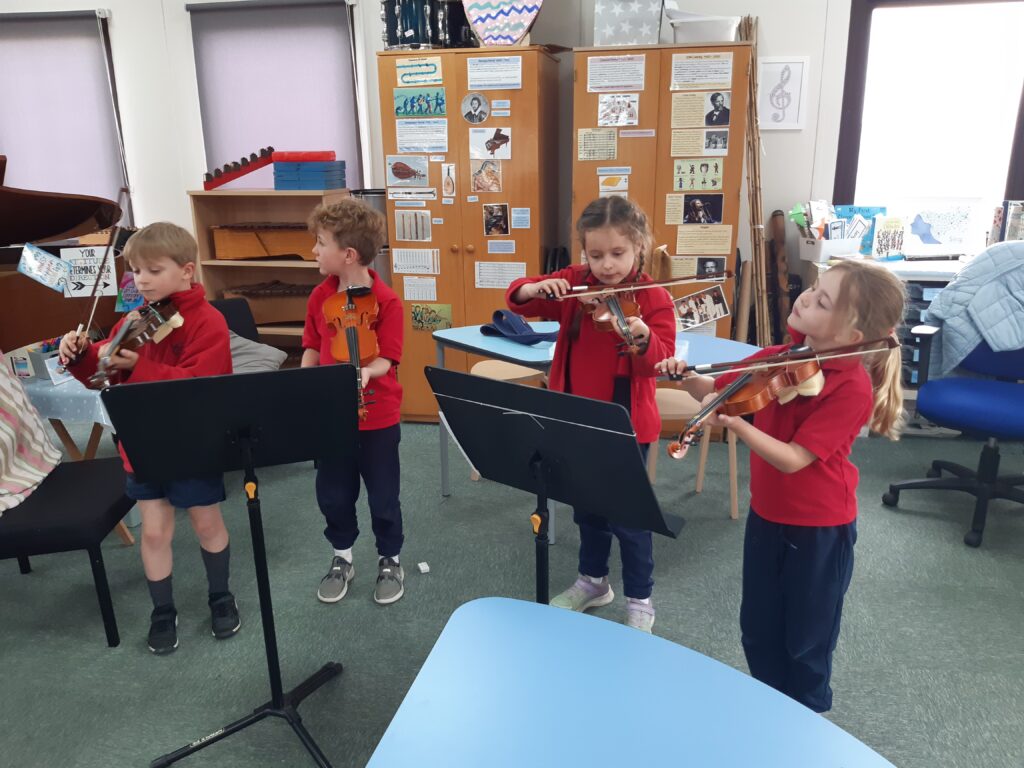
(639, 615)
(584, 594)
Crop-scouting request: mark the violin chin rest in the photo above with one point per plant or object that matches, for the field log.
(813, 386)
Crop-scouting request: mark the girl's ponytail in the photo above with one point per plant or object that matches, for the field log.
(873, 300)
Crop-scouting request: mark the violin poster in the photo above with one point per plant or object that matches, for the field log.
(782, 92)
(700, 308)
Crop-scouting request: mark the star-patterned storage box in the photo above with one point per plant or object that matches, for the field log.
(627, 22)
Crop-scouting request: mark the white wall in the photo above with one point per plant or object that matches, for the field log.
(155, 71)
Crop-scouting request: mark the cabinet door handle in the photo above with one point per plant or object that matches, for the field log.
(470, 249)
(453, 248)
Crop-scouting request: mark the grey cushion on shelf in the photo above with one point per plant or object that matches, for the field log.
(251, 356)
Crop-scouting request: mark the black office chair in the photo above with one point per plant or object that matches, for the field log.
(991, 408)
(75, 507)
(239, 317)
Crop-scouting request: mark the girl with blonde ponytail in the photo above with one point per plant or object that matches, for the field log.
(798, 550)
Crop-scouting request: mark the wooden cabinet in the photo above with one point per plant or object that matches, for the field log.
(473, 266)
(219, 207)
(656, 147)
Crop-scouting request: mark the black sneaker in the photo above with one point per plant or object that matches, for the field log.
(163, 630)
(224, 619)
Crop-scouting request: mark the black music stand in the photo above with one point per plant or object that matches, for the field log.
(578, 451)
(203, 426)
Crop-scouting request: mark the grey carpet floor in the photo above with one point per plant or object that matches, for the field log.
(929, 670)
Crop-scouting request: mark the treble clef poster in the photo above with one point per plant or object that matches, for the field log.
(782, 90)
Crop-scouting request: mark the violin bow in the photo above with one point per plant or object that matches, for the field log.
(581, 291)
(95, 295)
(797, 355)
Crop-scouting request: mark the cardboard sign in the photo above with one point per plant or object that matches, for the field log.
(84, 266)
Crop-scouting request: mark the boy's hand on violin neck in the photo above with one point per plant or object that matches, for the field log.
(365, 374)
(124, 360)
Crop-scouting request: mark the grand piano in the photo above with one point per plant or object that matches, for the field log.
(29, 311)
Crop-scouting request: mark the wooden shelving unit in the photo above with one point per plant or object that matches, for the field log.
(529, 112)
(645, 147)
(218, 207)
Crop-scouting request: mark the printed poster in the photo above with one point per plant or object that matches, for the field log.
(495, 73)
(701, 71)
(44, 268)
(406, 170)
(701, 173)
(596, 144)
(419, 102)
(85, 266)
(421, 70)
(687, 110)
(615, 73)
(425, 135)
(618, 109)
(430, 317)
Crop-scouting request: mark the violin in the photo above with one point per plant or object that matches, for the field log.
(610, 314)
(150, 323)
(351, 314)
(779, 377)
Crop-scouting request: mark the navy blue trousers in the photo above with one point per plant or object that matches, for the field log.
(794, 581)
(636, 548)
(337, 490)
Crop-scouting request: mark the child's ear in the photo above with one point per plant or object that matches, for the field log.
(190, 270)
(854, 336)
(351, 255)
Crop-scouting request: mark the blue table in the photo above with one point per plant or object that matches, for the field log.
(509, 683)
(695, 348)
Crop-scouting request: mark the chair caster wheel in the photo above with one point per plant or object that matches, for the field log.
(972, 538)
(890, 498)
(932, 472)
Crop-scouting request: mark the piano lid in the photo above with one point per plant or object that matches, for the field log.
(30, 216)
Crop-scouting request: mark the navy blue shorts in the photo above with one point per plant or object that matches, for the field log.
(193, 492)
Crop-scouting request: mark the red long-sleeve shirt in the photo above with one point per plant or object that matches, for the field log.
(589, 364)
(200, 347)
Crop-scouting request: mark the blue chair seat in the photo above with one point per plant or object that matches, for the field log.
(978, 406)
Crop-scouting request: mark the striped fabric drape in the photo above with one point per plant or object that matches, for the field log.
(26, 454)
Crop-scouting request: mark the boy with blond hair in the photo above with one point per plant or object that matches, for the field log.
(348, 236)
(162, 257)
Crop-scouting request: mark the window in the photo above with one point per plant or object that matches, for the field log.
(58, 123)
(933, 95)
(277, 75)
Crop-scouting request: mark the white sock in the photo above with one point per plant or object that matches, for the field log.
(593, 579)
(393, 557)
(645, 601)
(346, 554)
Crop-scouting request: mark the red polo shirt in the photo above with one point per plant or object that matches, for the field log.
(824, 492)
(588, 365)
(384, 411)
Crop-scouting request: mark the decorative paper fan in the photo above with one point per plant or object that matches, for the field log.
(502, 22)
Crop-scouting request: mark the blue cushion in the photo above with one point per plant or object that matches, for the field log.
(987, 408)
